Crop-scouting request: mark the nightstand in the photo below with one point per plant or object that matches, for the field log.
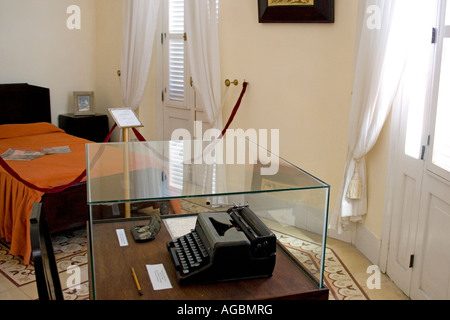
(90, 127)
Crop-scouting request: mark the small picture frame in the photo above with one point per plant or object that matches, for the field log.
(296, 11)
(83, 103)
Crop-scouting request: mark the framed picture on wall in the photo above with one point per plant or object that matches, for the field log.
(306, 11)
(83, 103)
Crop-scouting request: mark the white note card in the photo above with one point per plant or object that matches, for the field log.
(123, 242)
(158, 277)
(125, 117)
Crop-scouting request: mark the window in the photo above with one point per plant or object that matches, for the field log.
(173, 39)
(441, 145)
(417, 79)
(178, 88)
(428, 95)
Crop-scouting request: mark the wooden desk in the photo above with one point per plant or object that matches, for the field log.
(114, 281)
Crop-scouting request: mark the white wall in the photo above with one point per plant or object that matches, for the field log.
(300, 81)
(109, 45)
(36, 47)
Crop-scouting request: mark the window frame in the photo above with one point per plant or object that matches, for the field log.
(166, 38)
(441, 33)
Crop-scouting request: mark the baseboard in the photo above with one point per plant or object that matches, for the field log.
(367, 243)
(345, 236)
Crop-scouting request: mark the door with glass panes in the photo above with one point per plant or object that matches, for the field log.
(181, 107)
(419, 243)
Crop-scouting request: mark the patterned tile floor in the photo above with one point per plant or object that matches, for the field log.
(357, 265)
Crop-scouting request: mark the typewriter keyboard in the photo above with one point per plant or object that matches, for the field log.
(189, 253)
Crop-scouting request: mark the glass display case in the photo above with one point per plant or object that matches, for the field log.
(177, 180)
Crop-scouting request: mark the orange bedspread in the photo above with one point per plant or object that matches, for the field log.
(48, 171)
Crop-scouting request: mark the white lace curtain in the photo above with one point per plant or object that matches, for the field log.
(382, 50)
(140, 20)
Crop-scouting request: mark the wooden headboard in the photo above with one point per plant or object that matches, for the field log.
(24, 103)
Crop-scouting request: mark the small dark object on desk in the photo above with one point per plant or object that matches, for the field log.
(148, 232)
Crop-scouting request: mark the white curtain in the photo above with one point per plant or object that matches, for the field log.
(202, 29)
(140, 19)
(382, 49)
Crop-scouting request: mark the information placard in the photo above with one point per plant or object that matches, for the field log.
(125, 118)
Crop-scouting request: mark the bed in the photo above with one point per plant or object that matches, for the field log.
(56, 180)
(25, 124)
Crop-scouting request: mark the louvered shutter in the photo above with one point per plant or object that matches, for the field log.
(175, 91)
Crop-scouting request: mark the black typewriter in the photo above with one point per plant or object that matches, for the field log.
(225, 246)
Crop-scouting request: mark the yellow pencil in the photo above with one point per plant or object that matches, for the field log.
(136, 281)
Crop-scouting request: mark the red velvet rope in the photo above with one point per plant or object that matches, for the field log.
(83, 174)
(235, 109)
(139, 135)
